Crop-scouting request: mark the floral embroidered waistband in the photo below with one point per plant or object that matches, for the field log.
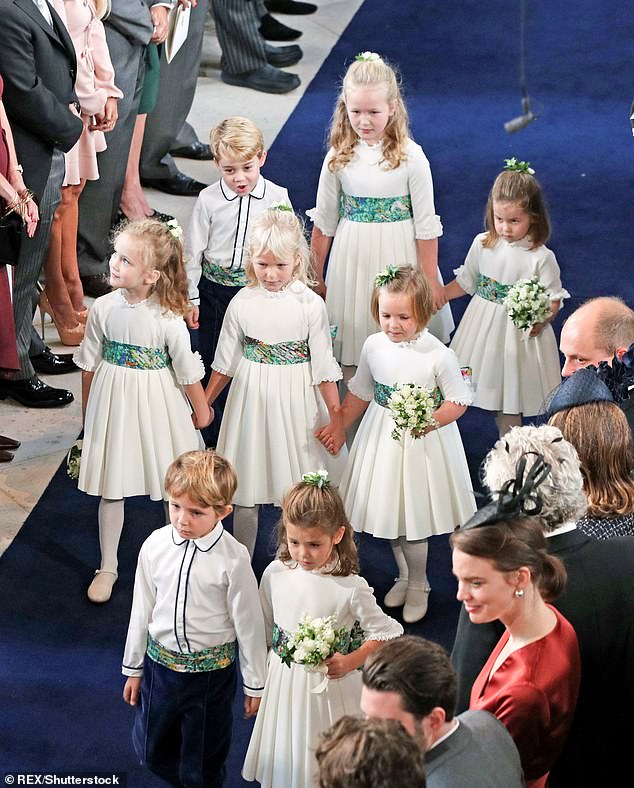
(349, 640)
(375, 209)
(491, 290)
(382, 394)
(134, 356)
(294, 352)
(213, 658)
(224, 276)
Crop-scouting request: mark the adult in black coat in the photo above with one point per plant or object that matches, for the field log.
(37, 63)
(598, 602)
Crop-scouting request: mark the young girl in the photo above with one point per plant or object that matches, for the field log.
(512, 373)
(275, 342)
(376, 198)
(405, 490)
(139, 372)
(315, 573)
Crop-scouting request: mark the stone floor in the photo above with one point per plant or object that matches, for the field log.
(47, 434)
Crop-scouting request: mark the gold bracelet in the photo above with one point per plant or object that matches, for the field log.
(12, 206)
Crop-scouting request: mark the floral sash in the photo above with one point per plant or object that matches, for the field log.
(375, 209)
(224, 276)
(292, 352)
(350, 640)
(491, 290)
(213, 658)
(134, 356)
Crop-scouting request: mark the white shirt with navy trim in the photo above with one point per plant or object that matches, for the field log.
(191, 594)
(220, 224)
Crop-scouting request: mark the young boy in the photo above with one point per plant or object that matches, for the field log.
(218, 232)
(195, 599)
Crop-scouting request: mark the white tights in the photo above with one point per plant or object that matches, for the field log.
(110, 528)
(411, 560)
(245, 526)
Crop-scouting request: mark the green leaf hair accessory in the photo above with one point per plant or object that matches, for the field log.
(175, 229)
(280, 206)
(513, 165)
(367, 57)
(317, 478)
(386, 276)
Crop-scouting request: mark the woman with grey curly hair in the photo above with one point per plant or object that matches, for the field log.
(562, 495)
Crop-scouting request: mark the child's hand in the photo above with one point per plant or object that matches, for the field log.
(537, 329)
(132, 689)
(191, 318)
(251, 706)
(332, 436)
(440, 296)
(203, 419)
(338, 666)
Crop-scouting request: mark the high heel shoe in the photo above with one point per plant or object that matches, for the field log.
(68, 336)
(83, 315)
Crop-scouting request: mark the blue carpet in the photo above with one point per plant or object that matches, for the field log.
(60, 682)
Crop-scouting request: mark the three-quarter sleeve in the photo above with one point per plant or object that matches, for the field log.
(449, 378)
(187, 365)
(376, 624)
(427, 224)
(550, 276)
(90, 352)
(94, 92)
(467, 273)
(361, 385)
(325, 215)
(230, 346)
(323, 364)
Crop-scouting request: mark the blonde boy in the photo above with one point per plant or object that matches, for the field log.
(219, 230)
(195, 606)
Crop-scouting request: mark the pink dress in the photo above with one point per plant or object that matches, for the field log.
(94, 84)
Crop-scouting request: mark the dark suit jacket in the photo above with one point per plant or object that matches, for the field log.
(38, 65)
(599, 603)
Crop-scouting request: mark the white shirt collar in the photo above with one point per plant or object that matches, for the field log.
(456, 722)
(205, 543)
(257, 192)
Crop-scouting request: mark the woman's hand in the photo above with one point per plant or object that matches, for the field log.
(159, 20)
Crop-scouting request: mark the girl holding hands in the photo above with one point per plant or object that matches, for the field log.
(139, 378)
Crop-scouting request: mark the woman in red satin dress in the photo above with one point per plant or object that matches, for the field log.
(531, 680)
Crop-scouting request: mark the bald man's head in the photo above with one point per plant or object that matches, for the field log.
(596, 331)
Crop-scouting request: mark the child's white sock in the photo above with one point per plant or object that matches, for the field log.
(415, 555)
(245, 526)
(110, 527)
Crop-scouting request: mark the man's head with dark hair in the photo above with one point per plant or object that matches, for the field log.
(412, 680)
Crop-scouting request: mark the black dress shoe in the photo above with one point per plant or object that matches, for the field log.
(49, 363)
(34, 393)
(290, 7)
(9, 443)
(5, 456)
(179, 184)
(283, 56)
(96, 285)
(266, 79)
(197, 150)
(157, 215)
(273, 30)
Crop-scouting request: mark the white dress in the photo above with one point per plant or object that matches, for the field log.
(273, 410)
(137, 420)
(291, 717)
(363, 248)
(512, 373)
(413, 487)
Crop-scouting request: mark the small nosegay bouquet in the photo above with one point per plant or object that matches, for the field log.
(310, 645)
(527, 303)
(412, 408)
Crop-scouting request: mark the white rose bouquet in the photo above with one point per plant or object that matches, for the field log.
(310, 645)
(412, 408)
(528, 303)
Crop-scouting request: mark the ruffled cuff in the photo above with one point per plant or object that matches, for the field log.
(195, 374)
(83, 365)
(429, 229)
(316, 219)
(559, 295)
(461, 279)
(466, 401)
(358, 392)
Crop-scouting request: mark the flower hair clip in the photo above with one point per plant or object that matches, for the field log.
(317, 478)
(386, 276)
(175, 229)
(367, 57)
(513, 165)
(280, 206)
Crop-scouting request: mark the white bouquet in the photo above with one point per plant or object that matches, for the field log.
(527, 303)
(310, 645)
(412, 408)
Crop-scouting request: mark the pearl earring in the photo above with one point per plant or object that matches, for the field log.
(519, 593)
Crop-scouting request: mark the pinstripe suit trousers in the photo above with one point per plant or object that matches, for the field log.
(29, 265)
(237, 28)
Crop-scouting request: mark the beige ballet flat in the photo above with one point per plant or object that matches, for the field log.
(100, 590)
(395, 597)
(416, 601)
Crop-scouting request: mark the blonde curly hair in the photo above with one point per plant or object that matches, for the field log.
(280, 232)
(343, 139)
